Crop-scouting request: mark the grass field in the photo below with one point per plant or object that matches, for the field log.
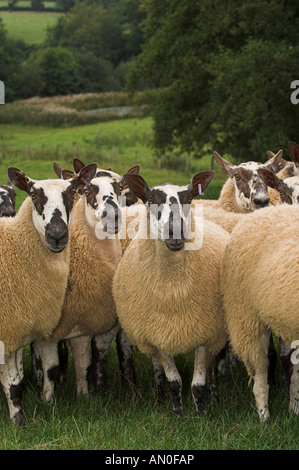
(127, 417)
(30, 26)
(116, 144)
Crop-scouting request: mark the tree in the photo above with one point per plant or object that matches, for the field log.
(12, 53)
(220, 73)
(51, 71)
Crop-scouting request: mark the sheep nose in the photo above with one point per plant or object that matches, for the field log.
(8, 212)
(56, 234)
(261, 202)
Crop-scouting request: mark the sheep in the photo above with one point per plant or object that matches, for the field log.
(290, 168)
(285, 191)
(243, 192)
(167, 290)
(259, 283)
(7, 200)
(88, 308)
(34, 266)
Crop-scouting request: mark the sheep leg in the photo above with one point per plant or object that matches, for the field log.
(285, 362)
(158, 380)
(37, 366)
(19, 362)
(13, 388)
(99, 349)
(202, 361)
(125, 355)
(294, 390)
(48, 352)
(80, 353)
(174, 380)
(261, 392)
(261, 387)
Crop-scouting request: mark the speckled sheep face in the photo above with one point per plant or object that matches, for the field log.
(251, 192)
(7, 201)
(288, 188)
(169, 206)
(52, 204)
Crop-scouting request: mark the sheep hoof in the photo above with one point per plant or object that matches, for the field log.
(178, 412)
(19, 419)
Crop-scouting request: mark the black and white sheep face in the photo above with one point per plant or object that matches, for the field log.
(169, 206)
(288, 188)
(103, 211)
(52, 204)
(7, 201)
(251, 192)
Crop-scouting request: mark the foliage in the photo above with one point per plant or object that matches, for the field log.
(220, 69)
(103, 38)
(53, 71)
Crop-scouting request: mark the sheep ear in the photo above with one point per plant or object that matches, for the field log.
(78, 165)
(132, 171)
(225, 166)
(294, 150)
(138, 186)
(269, 178)
(62, 173)
(200, 182)
(9, 183)
(275, 161)
(19, 179)
(86, 174)
(58, 169)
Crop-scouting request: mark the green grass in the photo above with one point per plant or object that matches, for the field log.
(116, 144)
(30, 26)
(127, 417)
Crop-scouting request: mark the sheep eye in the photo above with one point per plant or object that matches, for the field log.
(72, 195)
(86, 192)
(33, 196)
(281, 191)
(237, 176)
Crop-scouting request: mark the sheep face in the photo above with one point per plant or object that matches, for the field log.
(294, 151)
(102, 202)
(169, 206)
(7, 201)
(251, 192)
(288, 188)
(52, 204)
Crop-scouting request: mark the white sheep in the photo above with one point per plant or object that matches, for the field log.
(259, 282)
(167, 289)
(34, 266)
(89, 308)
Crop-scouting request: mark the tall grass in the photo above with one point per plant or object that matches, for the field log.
(72, 110)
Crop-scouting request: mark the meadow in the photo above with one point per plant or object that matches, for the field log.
(127, 416)
(30, 26)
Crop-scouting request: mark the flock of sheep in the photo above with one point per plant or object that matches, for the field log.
(204, 275)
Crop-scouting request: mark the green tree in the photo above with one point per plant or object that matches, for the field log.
(12, 53)
(51, 71)
(220, 72)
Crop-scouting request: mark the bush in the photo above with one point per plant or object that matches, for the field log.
(51, 71)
